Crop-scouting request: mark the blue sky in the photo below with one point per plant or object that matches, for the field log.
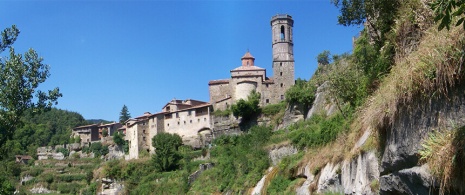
(104, 54)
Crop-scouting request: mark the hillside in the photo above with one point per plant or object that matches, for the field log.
(387, 118)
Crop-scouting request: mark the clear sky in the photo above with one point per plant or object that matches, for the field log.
(104, 54)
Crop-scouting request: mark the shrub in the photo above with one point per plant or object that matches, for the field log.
(218, 112)
(64, 151)
(104, 132)
(273, 109)
(317, 131)
(247, 109)
(98, 149)
(118, 139)
(278, 184)
(302, 93)
(166, 156)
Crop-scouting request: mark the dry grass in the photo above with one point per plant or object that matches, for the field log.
(428, 72)
(445, 154)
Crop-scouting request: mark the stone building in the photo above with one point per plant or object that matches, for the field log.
(111, 128)
(248, 77)
(87, 133)
(188, 118)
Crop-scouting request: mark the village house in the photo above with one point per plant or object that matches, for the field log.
(87, 133)
(110, 128)
(188, 118)
(94, 132)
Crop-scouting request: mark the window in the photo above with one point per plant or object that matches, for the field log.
(189, 112)
(281, 74)
(184, 122)
(143, 131)
(204, 119)
(198, 120)
(190, 121)
(144, 138)
(177, 115)
(178, 122)
(282, 33)
(282, 97)
(282, 85)
(267, 101)
(168, 108)
(266, 85)
(168, 124)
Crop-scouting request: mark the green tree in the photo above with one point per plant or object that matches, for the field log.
(378, 15)
(124, 115)
(323, 58)
(302, 93)
(445, 10)
(167, 155)
(118, 138)
(20, 76)
(247, 108)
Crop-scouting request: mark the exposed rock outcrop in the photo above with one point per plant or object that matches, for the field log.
(322, 103)
(404, 138)
(279, 152)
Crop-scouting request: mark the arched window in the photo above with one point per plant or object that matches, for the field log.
(282, 33)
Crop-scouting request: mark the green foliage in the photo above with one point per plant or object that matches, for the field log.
(278, 184)
(446, 10)
(240, 162)
(104, 132)
(323, 58)
(98, 149)
(20, 76)
(218, 112)
(118, 138)
(247, 108)
(124, 115)
(64, 151)
(317, 131)
(302, 93)
(273, 109)
(166, 156)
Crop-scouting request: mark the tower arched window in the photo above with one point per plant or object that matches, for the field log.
(282, 33)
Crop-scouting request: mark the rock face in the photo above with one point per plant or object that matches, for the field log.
(349, 177)
(225, 125)
(360, 173)
(40, 190)
(404, 138)
(330, 179)
(322, 102)
(293, 114)
(257, 190)
(279, 152)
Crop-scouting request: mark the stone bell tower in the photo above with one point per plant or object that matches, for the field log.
(283, 53)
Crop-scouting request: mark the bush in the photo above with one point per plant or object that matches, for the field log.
(64, 151)
(302, 93)
(273, 109)
(240, 162)
(166, 156)
(247, 109)
(317, 131)
(104, 132)
(278, 184)
(118, 139)
(98, 149)
(218, 112)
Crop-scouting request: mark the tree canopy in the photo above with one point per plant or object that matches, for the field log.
(20, 76)
(247, 108)
(445, 10)
(166, 156)
(124, 115)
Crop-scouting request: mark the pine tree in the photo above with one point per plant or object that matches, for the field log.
(124, 114)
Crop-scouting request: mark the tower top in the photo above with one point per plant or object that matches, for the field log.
(247, 59)
(282, 17)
